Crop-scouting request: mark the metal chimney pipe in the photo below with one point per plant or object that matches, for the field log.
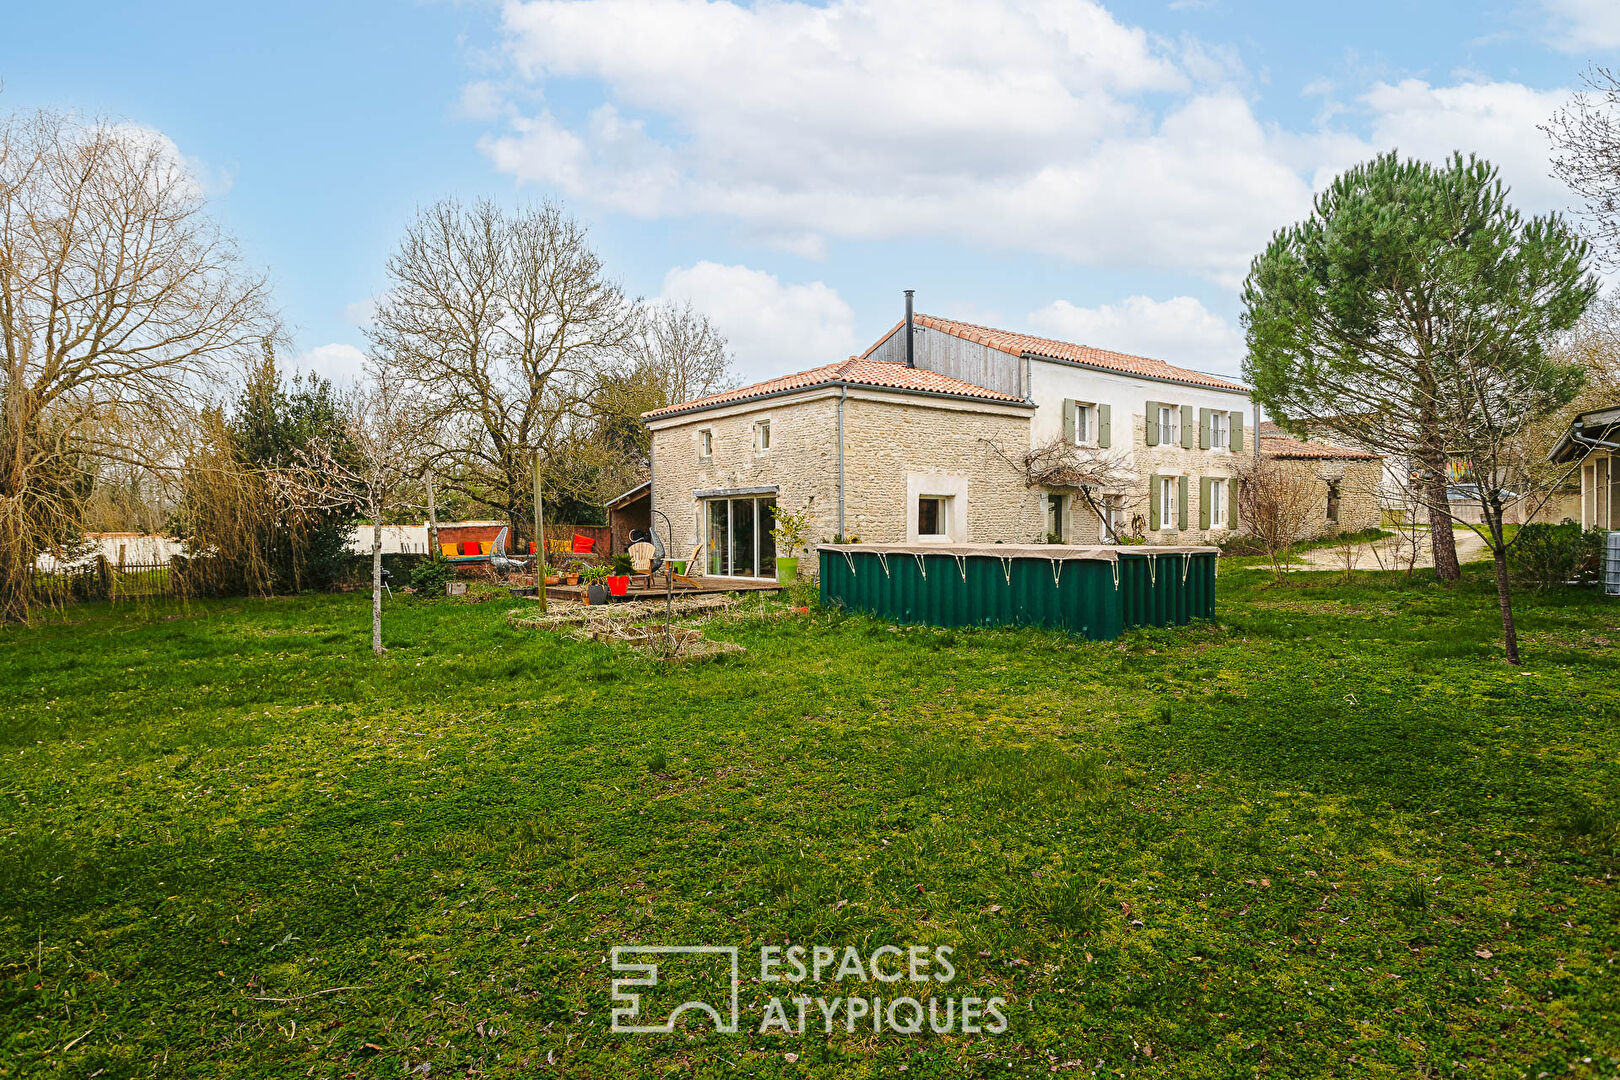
(911, 346)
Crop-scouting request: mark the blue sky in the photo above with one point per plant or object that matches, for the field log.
(1101, 173)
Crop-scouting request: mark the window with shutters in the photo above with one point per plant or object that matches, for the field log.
(1220, 429)
(1169, 425)
(1217, 504)
(1167, 502)
(1085, 423)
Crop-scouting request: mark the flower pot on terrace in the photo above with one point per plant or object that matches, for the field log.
(596, 593)
(618, 585)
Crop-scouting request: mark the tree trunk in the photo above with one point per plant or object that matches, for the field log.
(433, 519)
(376, 586)
(1504, 597)
(1441, 541)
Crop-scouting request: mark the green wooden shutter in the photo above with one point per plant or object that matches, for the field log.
(1181, 502)
(1155, 500)
(1237, 430)
(1205, 486)
(1153, 423)
(1188, 432)
(1232, 502)
(1203, 428)
(1105, 422)
(1068, 420)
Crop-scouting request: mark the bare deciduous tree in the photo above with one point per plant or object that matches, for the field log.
(503, 325)
(1586, 140)
(387, 448)
(119, 300)
(1277, 499)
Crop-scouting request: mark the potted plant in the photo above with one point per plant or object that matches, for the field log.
(571, 574)
(618, 582)
(788, 530)
(551, 575)
(596, 592)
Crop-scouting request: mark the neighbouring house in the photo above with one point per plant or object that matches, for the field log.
(1348, 480)
(928, 438)
(1593, 440)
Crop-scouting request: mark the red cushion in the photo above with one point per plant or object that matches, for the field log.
(583, 545)
(531, 547)
(469, 547)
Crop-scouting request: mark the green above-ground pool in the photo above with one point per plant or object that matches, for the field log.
(1095, 591)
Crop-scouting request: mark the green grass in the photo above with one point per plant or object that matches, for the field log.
(1332, 836)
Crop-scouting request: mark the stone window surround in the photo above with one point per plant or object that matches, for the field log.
(954, 489)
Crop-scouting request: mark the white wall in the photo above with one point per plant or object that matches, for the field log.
(1052, 383)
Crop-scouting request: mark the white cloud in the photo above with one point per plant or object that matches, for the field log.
(1496, 120)
(1179, 331)
(341, 363)
(773, 328)
(1584, 26)
(1042, 126)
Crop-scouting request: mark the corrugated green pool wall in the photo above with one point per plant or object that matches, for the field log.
(1081, 596)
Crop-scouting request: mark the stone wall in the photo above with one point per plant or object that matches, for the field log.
(1358, 482)
(895, 447)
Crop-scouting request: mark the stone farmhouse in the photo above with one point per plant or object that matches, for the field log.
(927, 438)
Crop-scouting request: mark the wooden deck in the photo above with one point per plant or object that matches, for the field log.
(707, 585)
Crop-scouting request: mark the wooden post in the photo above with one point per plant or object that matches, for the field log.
(433, 520)
(539, 564)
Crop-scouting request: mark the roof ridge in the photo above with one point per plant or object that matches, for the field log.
(1018, 343)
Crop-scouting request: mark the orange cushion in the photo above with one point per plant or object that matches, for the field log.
(448, 550)
(484, 546)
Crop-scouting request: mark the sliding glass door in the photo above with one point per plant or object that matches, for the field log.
(739, 542)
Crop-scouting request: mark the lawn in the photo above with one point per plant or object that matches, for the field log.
(1332, 835)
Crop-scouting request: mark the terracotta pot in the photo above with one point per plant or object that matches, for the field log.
(572, 579)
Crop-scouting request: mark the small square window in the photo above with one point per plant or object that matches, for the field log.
(1333, 501)
(705, 444)
(762, 435)
(932, 516)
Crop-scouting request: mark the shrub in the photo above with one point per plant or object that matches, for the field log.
(430, 577)
(621, 564)
(1547, 555)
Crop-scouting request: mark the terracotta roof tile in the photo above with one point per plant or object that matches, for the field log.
(1274, 442)
(1018, 344)
(856, 371)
